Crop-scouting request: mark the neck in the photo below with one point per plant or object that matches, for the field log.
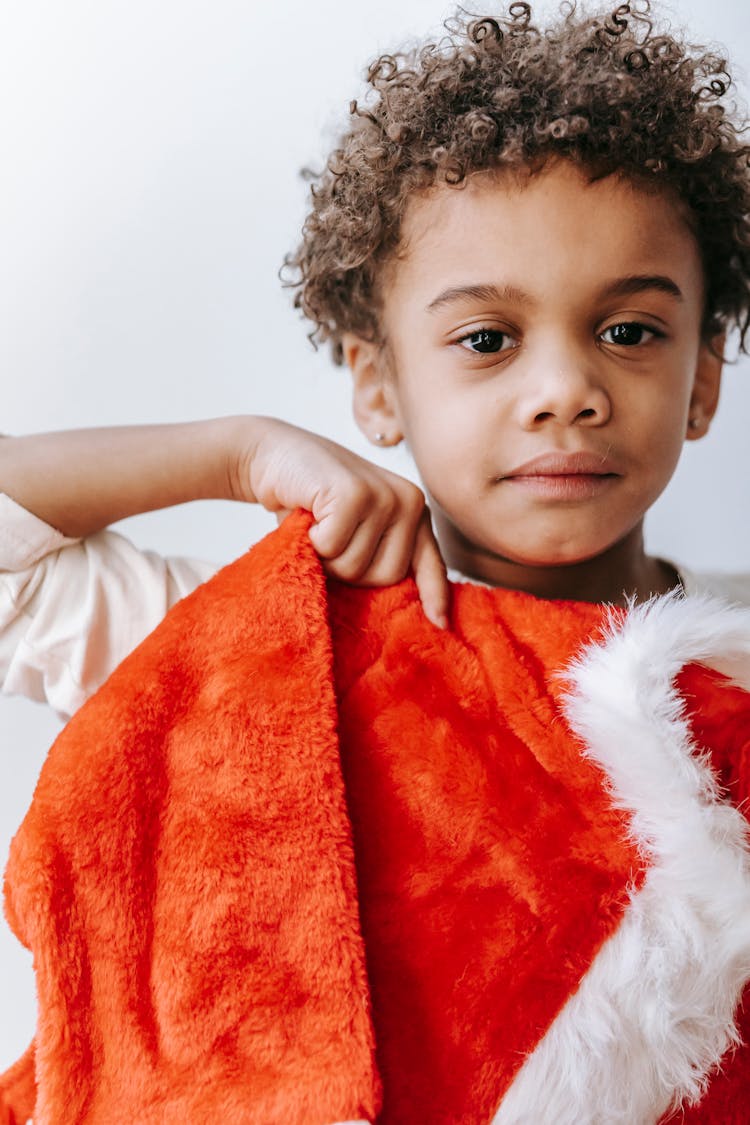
(621, 572)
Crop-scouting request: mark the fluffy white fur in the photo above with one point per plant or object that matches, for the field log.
(655, 1013)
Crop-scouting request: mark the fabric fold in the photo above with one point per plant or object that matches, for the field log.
(185, 875)
(306, 859)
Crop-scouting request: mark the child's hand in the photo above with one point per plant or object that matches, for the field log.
(370, 526)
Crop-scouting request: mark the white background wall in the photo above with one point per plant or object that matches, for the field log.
(148, 193)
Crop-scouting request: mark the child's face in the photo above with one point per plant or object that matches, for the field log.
(548, 318)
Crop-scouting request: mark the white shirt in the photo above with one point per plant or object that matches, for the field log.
(71, 610)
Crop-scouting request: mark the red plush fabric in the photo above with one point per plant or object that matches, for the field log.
(185, 875)
(18, 1091)
(719, 716)
(306, 859)
(491, 863)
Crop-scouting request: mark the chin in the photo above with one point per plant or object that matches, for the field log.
(557, 556)
(531, 547)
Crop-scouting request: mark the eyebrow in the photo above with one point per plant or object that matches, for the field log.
(458, 293)
(622, 287)
(638, 283)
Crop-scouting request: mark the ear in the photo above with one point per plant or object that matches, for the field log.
(704, 398)
(373, 396)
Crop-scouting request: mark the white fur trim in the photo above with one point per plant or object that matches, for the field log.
(655, 1013)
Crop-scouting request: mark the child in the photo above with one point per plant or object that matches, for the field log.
(528, 248)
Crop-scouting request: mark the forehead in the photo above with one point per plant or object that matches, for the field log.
(553, 231)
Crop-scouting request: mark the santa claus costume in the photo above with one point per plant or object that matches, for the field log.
(305, 859)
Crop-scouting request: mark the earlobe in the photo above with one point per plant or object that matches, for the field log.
(373, 403)
(706, 386)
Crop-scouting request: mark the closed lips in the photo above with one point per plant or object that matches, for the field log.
(557, 464)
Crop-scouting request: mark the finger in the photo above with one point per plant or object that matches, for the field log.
(392, 555)
(356, 561)
(430, 574)
(339, 516)
(380, 551)
(332, 533)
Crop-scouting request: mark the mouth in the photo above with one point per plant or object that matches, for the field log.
(564, 476)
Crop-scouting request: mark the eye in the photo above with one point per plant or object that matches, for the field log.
(629, 334)
(485, 341)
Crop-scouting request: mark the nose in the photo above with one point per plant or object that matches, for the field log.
(566, 391)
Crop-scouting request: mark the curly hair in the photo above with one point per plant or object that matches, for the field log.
(607, 91)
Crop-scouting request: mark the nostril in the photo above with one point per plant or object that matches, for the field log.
(589, 413)
(544, 416)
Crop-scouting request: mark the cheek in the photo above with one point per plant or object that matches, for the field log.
(657, 409)
(445, 437)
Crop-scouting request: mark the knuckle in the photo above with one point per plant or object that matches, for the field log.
(388, 505)
(414, 498)
(355, 492)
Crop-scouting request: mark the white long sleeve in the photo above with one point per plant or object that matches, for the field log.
(71, 610)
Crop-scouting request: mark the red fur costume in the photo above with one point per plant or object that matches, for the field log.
(306, 859)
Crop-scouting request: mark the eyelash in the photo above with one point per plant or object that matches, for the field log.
(485, 332)
(652, 333)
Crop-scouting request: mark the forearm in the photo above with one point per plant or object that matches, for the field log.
(79, 481)
(370, 526)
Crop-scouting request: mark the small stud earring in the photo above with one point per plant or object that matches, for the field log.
(694, 423)
(379, 438)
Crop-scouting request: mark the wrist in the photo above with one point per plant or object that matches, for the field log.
(240, 443)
